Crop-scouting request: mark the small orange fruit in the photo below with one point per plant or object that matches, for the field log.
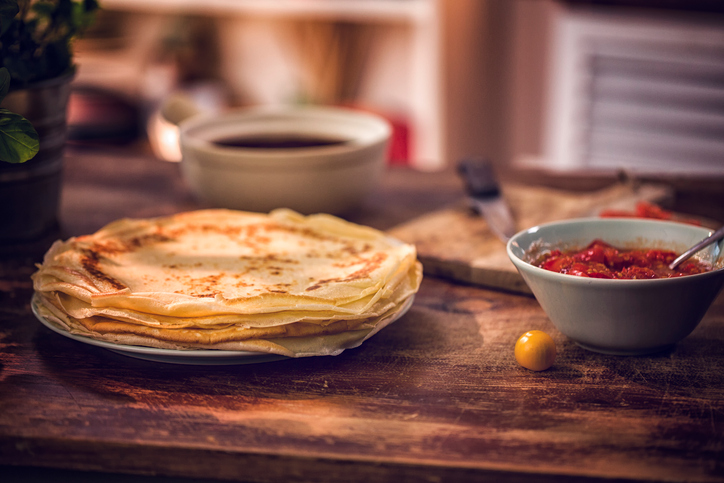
(535, 350)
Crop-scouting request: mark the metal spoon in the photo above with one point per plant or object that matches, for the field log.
(714, 237)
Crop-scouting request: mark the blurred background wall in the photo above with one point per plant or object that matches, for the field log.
(546, 84)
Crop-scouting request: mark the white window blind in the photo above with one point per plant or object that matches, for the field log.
(639, 93)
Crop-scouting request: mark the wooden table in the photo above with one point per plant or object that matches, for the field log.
(437, 396)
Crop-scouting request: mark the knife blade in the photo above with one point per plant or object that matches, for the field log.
(485, 196)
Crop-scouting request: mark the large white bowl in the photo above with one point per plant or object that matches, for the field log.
(625, 317)
(329, 179)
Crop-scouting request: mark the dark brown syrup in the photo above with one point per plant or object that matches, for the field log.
(278, 142)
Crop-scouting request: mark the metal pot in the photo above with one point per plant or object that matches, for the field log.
(30, 192)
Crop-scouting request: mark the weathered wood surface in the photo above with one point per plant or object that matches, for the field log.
(437, 396)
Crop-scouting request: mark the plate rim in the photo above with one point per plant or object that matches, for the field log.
(194, 356)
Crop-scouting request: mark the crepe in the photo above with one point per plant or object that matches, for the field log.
(223, 278)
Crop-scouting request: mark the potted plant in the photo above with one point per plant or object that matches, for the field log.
(37, 68)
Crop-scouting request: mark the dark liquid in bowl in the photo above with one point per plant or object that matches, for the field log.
(278, 142)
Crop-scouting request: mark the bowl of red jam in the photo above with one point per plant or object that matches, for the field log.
(606, 283)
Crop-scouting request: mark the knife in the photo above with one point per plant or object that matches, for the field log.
(485, 196)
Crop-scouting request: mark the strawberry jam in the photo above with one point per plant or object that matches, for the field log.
(601, 260)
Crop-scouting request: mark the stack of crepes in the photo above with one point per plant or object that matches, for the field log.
(278, 283)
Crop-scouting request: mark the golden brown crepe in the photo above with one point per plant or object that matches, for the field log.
(217, 278)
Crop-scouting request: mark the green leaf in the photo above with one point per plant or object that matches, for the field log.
(35, 43)
(18, 139)
(4, 82)
(84, 14)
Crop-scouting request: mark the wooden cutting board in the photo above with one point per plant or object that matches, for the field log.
(456, 243)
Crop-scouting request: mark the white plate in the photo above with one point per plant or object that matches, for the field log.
(173, 356)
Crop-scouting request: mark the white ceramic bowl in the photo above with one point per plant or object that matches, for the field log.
(329, 179)
(625, 317)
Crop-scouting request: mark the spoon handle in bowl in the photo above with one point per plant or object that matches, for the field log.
(714, 237)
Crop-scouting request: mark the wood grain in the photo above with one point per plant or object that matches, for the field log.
(436, 393)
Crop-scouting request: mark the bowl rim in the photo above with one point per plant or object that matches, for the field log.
(572, 279)
(379, 123)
